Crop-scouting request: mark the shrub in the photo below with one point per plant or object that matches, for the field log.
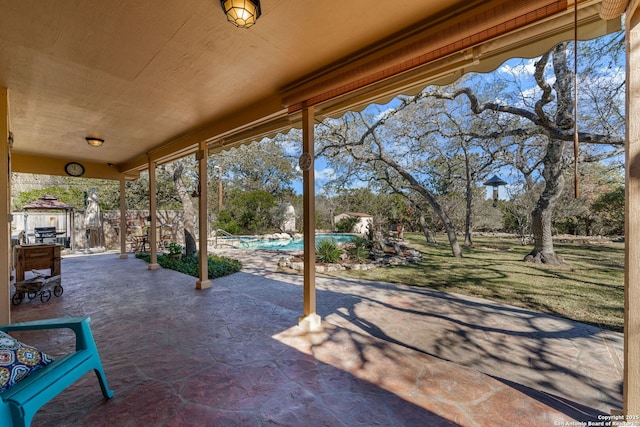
(361, 248)
(227, 223)
(174, 248)
(360, 242)
(221, 266)
(327, 251)
(218, 266)
(359, 254)
(346, 225)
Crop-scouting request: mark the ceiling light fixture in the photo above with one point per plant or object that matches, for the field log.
(94, 142)
(241, 13)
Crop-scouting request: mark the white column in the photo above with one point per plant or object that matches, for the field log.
(631, 388)
(203, 281)
(5, 211)
(309, 320)
(123, 220)
(153, 262)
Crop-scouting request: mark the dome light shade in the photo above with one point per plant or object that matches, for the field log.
(94, 142)
(241, 13)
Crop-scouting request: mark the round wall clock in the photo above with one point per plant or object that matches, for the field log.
(74, 169)
(305, 161)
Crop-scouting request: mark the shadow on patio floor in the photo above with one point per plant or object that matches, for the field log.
(232, 355)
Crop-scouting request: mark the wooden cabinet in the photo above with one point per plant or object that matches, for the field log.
(37, 257)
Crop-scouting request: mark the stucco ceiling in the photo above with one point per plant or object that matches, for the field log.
(144, 75)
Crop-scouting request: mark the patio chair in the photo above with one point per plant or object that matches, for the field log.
(163, 236)
(37, 385)
(139, 238)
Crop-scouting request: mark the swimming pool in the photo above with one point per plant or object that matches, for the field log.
(282, 244)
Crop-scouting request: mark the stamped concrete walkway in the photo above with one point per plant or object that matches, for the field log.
(390, 355)
(570, 362)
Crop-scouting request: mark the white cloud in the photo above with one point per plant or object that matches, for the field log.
(325, 174)
(524, 68)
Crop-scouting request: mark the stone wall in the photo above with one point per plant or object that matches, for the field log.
(107, 235)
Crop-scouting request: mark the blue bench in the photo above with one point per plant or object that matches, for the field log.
(19, 404)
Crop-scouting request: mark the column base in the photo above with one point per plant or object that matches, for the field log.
(154, 266)
(124, 256)
(310, 323)
(204, 284)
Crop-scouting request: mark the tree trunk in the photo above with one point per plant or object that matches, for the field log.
(468, 219)
(450, 229)
(176, 169)
(553, 164)
(189, 243)
(541, 216)
(430, 198)
(588, 226)
(468, 226)
(425, 230)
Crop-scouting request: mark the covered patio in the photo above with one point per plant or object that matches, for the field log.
(232, 356)
(148, 85)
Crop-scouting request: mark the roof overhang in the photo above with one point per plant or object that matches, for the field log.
(155, 83)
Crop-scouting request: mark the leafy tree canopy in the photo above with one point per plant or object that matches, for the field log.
(70, 196)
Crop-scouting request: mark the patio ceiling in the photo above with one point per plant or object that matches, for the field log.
(154, 81)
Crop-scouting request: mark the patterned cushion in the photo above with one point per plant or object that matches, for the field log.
(18, 361)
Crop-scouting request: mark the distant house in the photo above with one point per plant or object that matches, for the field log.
(362, 226)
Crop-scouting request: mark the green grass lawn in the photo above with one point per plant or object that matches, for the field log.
(588, 288)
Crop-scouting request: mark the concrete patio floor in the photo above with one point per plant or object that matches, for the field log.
(390, 355)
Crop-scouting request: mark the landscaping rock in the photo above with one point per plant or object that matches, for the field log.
(396, 254)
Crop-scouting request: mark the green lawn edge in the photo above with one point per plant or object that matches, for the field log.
(588, 288)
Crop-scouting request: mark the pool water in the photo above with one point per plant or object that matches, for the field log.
(289, 244)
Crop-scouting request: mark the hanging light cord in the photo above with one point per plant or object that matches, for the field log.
(575, 98)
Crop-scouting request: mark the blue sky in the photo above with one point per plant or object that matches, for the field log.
(323, 173)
